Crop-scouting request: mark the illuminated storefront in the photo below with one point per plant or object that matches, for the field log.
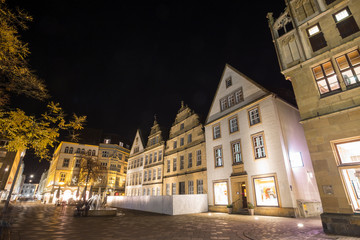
(348, 156)
(221, 193)
(266, 192)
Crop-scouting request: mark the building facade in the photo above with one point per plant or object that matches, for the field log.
(154, 162)
(317, 43)
(64, 170)
(135, 170)
(29, 190)
(185, 155)
(256, 151)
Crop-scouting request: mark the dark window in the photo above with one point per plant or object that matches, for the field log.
(316, 38)
(329, 1)
(181, 187)
(345, 23)
(228, 82)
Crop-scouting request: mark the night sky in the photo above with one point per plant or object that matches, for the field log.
(121, 62)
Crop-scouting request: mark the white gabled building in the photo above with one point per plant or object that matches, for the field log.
(134, 177)
(256, 151)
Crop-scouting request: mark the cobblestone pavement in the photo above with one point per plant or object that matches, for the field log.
(38, 221)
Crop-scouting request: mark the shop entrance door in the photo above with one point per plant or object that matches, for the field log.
(243, 194)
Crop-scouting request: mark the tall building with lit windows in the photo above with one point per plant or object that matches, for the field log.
(63, 173)
(185, 155)
(317, 44)
(135, 167)
(256, 152)
(154, 162)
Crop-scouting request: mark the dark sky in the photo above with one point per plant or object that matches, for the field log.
(121, 62)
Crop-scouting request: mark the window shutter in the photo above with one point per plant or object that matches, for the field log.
(347, 27)
(317, 42)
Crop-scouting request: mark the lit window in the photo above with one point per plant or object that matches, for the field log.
(259, 146)
(233, 123)
(316, 38)
(236, 152)
(345, 23)
(266, 192)
(254, 116)
(349, 65)
(221, 193)
(326, 78)
(62, 177)
(216, 132)
(218, 157)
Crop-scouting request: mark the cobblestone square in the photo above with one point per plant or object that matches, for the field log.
(39, 221)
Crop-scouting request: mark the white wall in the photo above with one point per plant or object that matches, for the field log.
(170, 205)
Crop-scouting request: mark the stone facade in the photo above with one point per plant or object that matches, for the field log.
(64, 170)
(317, 42)
(185, 156)
(256, 151)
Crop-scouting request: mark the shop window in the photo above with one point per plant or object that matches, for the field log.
(266, 192)
(221, 193)
(348, 154)
(349, 65)
(316, 38)
(325, 78)
(345, 23)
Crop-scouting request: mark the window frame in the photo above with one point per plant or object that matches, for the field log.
(348, 19)
(257, 107)
(315, 38)
(264, 145)
(350, 67)
(326, 77)
(230, 126)
(238, 141)
(222, 156)
(213, 131)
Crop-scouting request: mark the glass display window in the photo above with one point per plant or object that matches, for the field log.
(266, 192)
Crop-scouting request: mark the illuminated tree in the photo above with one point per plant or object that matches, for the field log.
(90, 169)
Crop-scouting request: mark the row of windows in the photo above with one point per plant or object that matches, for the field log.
(147, 174)
(182, 141)
(258, 144)
(231, 99)
(182, 162)
(113, 167)
(148, 160)
(349, 67)
(181, 188)
(254, 118)
(145, 192)
(345, 24)
(78, 150)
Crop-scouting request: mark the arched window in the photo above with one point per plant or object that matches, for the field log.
(66, 149)
(78, 150)
(71, 150)
(93, 152)
(89, 152)
(83, 151)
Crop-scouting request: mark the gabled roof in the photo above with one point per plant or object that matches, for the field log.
(251, 91)
(138, 142)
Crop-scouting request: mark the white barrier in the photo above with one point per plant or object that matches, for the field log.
(170, 205)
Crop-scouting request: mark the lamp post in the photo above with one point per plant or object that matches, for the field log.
(13, 182)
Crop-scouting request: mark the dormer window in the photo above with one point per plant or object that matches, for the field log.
(345, 23)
